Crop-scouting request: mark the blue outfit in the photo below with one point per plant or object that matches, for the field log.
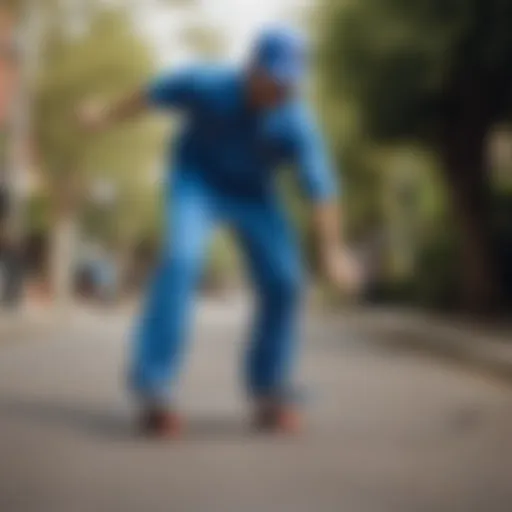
(224, 164)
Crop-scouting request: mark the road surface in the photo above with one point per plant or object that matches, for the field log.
(389, 430)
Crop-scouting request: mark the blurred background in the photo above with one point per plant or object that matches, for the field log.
(415, 98)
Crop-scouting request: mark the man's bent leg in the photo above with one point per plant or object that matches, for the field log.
(274, 261)
(162, 333)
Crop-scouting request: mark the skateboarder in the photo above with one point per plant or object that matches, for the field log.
(240, 125)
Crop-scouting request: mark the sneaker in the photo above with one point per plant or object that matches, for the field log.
(161, 424)
(279, 419)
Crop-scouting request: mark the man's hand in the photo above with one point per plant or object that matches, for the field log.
(341, 269)
(337, 263)
(95, 116)
(92, 116)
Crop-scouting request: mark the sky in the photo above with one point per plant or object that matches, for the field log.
(237, 20)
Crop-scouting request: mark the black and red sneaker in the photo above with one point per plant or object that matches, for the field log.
(161, 424)
(278, 418)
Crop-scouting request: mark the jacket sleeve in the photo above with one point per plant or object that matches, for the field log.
(172, 90)
(312, 160)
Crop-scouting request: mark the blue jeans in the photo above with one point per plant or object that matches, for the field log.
(271, 252)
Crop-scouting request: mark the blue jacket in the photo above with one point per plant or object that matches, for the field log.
(235, 149)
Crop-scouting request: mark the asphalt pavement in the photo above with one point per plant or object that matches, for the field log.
(389, 429)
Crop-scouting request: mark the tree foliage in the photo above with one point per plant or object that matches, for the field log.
(107, 60)
(414, 66)
(437, 73)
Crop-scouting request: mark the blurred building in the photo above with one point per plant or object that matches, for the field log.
(7, 64)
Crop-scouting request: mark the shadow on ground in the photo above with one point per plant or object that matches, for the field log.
(113, 423)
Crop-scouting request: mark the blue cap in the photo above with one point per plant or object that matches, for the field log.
(281, 53)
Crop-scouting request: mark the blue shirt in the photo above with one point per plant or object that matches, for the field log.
(237, 149)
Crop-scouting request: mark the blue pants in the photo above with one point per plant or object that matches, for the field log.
(270, 250)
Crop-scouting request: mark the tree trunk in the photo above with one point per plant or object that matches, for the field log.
(64, 239)
(468, 182)
(62, 256)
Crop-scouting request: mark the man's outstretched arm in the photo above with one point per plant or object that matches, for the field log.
(173, 90)
(321, 185)
(96, 116)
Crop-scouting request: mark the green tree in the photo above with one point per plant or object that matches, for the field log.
(435, 72)
(106, 58)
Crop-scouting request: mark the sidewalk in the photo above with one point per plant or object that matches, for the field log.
(38, 320)
(484, 346)
(35, 320)
(487, 347)
(29, 321)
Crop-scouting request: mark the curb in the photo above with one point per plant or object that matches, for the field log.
(486, 348)
(19, 325)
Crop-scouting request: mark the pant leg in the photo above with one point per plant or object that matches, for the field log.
(271, 250)
(163, 328)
